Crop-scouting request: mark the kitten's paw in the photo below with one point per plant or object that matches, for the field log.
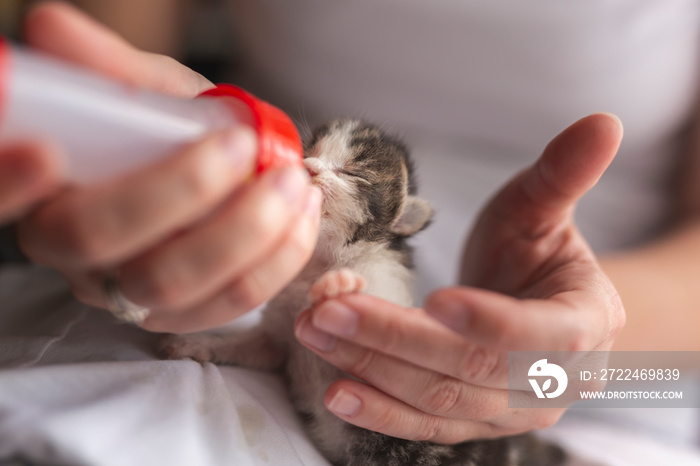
(335, 283)
(197, 347)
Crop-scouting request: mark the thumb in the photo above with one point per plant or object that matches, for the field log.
(570, 165)
(574, 161)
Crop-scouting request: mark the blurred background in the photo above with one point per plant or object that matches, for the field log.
(9, 17)
(195, 32)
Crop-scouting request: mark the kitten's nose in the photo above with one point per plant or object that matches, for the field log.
(313, 166)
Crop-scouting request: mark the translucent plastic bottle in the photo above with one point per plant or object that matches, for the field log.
(106, 128)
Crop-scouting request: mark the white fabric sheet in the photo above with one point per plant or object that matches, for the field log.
(78, 388)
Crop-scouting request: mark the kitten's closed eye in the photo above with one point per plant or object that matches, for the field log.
(316, 166)
(361, 176)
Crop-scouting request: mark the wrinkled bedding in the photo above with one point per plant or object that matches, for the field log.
(79, 388)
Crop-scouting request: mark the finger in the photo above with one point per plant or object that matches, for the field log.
(255, 286)
(66, 32)
(369, 408)
(411, 335)
(28, 172)
(575, 320)
(101, 225)
(573, 162)
(186, 269)
(421, 388)
(570, 165)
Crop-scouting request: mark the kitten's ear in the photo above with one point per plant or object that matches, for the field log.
(415, 216)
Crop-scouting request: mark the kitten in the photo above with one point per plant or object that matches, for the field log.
(369, 210)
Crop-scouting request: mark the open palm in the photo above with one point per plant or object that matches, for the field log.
(529, 281)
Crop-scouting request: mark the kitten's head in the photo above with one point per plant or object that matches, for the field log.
(367, 183)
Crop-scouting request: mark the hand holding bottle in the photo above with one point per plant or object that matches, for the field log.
(191, 239)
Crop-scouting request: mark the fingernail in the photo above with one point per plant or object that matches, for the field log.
(291, 183)
(241, 146)
(306, 333)
(450, 314)
(313, 203)
(613, 117)
(335, 318)
(345, 404)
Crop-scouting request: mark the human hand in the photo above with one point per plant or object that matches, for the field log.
(192, 240)
(29, 172)
(529, 282)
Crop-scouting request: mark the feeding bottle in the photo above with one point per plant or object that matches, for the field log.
(106, 128)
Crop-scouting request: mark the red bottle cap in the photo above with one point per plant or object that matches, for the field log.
(279, 143)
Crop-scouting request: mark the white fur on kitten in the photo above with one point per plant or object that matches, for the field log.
(340, 264)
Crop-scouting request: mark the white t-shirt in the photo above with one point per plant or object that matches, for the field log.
(477, 88)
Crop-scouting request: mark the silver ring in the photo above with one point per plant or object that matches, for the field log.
(118, 304)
